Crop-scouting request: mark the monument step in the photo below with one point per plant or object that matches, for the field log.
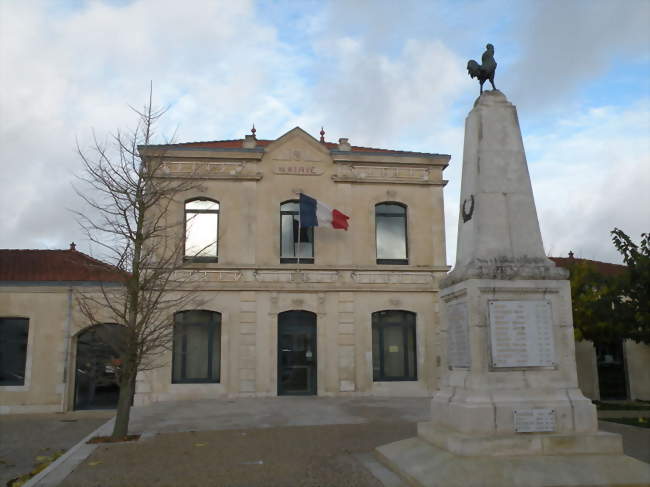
(422, 464)
(518, 444)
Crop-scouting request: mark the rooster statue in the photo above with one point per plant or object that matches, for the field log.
(484, 71)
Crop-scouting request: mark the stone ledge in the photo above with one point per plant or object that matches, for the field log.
(462, 444)
(424, 465)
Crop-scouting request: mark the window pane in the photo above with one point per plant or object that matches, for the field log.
(13, 350)
(394, 352)
(202, 205)
(290, 206)
(290, 247)
(391, 237)
(196, 352)
(197, 347)
(201, 234)
(391, 208)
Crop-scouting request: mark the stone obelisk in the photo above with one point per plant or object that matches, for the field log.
(508, 411)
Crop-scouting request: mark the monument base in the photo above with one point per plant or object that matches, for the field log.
(421, 463)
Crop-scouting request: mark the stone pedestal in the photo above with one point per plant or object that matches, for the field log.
(509, 411)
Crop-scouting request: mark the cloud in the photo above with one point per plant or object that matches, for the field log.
(566, 44)
(215, 63)
(591, 179)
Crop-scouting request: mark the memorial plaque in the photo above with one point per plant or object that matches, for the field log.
(521, 334)
(534, 420)
(457, 335)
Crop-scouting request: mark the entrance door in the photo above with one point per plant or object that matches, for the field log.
(96, 384)
(296, 353)
(611, 370)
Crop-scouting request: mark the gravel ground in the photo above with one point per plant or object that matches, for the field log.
(23, 437)
(266, 457)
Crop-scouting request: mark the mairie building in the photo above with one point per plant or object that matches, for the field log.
(284, 309)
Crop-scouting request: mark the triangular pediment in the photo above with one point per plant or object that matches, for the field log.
(297, 146)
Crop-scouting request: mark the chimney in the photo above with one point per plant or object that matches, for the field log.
(73, 246)
(250, 142)
(344, 145)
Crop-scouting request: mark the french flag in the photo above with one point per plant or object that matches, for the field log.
(314, 213)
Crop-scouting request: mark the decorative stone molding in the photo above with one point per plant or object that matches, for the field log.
(392, 278)
(211, 170)
(207, 276)
(385, 174)
(296, 276)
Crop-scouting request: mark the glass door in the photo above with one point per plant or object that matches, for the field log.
(296, 353)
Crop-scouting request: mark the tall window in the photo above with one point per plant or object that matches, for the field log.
(295, 241)
(393, 345)
(13, 350)
(390, 228)
(201, 230)
(197, 347)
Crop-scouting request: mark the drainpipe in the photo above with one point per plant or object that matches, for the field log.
(66, 352)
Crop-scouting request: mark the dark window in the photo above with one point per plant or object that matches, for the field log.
(390, 228)
(13, 350)
(201, 230)
(393, 345)
(197, 347)
(296, 242)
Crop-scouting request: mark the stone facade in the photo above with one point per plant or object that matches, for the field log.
(250, 287)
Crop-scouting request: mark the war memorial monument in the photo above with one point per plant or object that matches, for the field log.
(509, 411)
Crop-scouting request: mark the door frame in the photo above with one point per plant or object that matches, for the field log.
(314, 368)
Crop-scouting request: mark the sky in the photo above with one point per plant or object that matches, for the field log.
(381, 73)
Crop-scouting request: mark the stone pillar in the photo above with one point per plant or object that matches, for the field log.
(509, 411)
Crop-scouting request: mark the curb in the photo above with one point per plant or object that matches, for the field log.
(58, 470)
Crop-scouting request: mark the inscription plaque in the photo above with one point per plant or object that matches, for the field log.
(457, 335)
(534, 420)
(521, 334)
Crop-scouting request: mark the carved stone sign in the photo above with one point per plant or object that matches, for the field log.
(457, 335)
(297, 170)
(521, 334)
(534, 420)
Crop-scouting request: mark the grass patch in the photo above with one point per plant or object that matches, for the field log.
(623, 406)
(638, 422)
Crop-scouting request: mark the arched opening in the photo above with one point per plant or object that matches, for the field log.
(97, 367)
(297, 353)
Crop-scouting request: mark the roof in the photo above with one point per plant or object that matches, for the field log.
(238, 144)
(604, 268)
(54, 266)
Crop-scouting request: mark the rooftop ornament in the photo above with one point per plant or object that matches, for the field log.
(253, 130)
(322, 135)
(484, 71)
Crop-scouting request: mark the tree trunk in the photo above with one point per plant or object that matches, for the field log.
(125, 399)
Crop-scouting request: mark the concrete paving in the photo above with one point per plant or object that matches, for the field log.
(23, 437)
(285, 441)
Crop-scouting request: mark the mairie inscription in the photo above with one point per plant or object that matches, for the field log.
(521, 334)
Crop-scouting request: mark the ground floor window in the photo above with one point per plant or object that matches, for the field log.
(197, 347)
(393, 345)
(13, 350)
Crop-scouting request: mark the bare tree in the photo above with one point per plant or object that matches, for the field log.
(127, 216)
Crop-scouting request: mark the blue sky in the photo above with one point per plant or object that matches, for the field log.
(382, 73)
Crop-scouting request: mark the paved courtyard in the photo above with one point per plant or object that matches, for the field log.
(283, 441)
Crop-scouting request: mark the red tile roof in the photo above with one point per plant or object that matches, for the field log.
(54, 265)
(604, 268)
(238, 144)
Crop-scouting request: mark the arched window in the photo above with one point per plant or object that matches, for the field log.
(390, 231)
(201, 229)
(296, 242)
(13, 350)
(196, 355)
(393, 346)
